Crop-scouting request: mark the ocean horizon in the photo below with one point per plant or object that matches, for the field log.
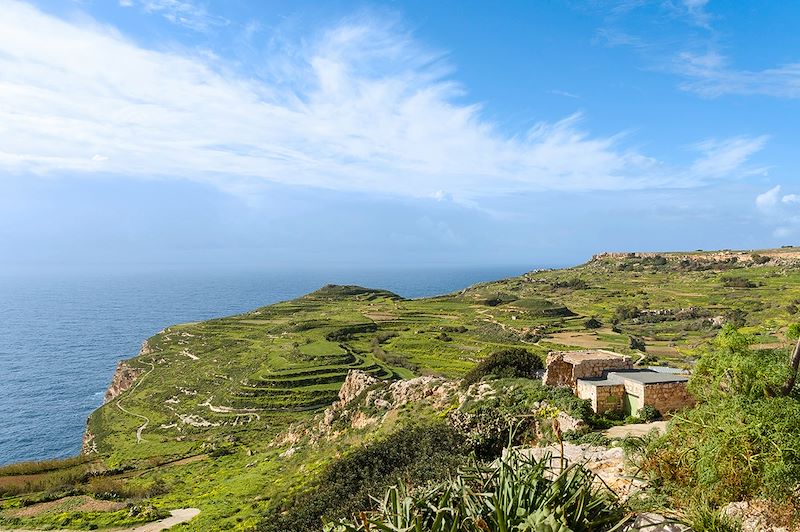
(61, 335)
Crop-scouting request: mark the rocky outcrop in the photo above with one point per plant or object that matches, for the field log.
(382, 397)
(125, 375)
(123, 379)
(366, 401)
(757, 516)
(354, 384)
(88, 446)
(608, 464)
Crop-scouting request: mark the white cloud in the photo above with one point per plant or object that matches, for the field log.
(791, 198)
(710, 75)
(564, 94)
(723, 157)
(779, 211)
(182, 12)
(769, 198)
(362, 107)
(696, 10)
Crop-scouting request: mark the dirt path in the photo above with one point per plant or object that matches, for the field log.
(181, 515)
(637, 429)
(145, 418)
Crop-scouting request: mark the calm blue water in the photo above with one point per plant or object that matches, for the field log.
(61, 336)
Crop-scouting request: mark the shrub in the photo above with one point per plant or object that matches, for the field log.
(574, 284)
(637, 344)
(415, 455)
(737, 282)
(736, 318)
(592, 323)
(730, 449)
(510, 362)
(760, 259)
(518, 493)
(384, 336)
(347, 332)
(626, 312)
(649, 413)
(487, 424)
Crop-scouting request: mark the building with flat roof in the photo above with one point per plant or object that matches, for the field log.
(609, 382)
(629, 390)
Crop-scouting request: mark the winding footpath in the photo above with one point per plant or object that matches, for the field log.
(145, 418)
(181, 515)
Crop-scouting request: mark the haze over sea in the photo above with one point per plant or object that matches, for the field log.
(62, 335)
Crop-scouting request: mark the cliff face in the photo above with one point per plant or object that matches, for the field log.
(124, 376)
(123, 379)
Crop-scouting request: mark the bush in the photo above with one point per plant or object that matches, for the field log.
(626, 312)
(637, 344)
(760, 259)
(487, 424)
(736, 318)
(415, 455)
(731, 449)
(518, 493)
(592, 323)
(737, 282)
(649, 413)
(510, 362)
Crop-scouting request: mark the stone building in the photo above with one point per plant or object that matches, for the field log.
(564, 368)
(629, 390)
(609, 381)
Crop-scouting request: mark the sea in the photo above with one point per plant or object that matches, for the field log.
(62, 335)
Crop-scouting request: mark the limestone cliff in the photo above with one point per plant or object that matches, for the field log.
(124, 376)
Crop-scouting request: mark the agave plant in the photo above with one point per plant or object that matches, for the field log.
(514, 494)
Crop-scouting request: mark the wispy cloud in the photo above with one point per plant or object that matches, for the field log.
(724, 157)
(696, 11)
(692, 50)
(565, 94)
(182, 12)
(711, 75)
(361, 107)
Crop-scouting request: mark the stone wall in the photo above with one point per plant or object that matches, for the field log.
(559, 373)
(609, 398)
(564, 370)
(602, 398)
(668, 396)
(596, 367)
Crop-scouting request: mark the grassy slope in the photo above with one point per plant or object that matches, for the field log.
(232, 384)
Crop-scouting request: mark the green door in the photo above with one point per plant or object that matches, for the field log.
(632, 403)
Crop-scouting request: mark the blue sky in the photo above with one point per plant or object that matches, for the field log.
(188, 133)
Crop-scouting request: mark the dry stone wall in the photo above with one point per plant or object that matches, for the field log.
(668, 396)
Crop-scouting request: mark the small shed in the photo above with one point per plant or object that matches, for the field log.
(630, 389)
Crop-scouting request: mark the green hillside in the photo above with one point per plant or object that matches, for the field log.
(198, 426)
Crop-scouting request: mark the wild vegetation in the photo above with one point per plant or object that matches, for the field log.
(205, 423)
(742, 442)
